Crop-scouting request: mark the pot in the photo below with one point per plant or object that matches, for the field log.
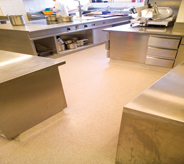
(17, 20)
(72, 46)
(51, 18)
(59, 19)
(81, 42)
(67, 18)
(61, 44)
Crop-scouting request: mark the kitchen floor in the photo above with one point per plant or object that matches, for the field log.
(86, 132)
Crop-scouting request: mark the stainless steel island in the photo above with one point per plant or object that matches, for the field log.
(160, 46)
(23, 39)
(152, 126)
(30, 91)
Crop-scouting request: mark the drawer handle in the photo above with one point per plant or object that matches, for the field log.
(85, 25)
(68, 28)
(93, 24)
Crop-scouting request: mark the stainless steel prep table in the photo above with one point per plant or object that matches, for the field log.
(22, 39)
(152, 126)
(30, 91)
(133, 43)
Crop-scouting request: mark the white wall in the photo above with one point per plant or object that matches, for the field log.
(13, 7)
(37, 5)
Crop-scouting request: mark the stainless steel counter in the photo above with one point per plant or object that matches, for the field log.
(165, 98)
(39, 25)
(15, 65)
(170, 31)
(31, 91)
(135, 44)
(152, 127)
(22, 39)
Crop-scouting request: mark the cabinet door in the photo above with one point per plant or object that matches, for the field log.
(180, 55)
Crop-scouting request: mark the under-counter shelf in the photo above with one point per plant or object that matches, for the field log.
(78, 48)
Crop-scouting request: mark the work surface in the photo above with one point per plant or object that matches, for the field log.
(31, 92)
(147, 30)
(14, 65)
(38, 25)
(165, 98)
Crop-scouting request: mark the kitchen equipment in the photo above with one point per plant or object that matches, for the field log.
(67, 18)
(61, 44)
(68, 42)
(72, 45)
(51, 18)
(47, 12)
(81, 42)
(59, 19)
(42, 50)
(17, 20)
(153, 15)
(74, 39)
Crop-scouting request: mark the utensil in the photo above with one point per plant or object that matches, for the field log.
(17, 20)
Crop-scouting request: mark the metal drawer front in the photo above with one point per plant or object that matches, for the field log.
(108, 53)
(108, 36)
(163, 42)
(159, 62)
(182, 41)
(163, 53)
(107, 45)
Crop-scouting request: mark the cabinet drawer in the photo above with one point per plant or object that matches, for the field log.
(108, 53)
(107, 45)
(159, 62)
(182, 41)
(108, 36)
(163, 53)
(170, 43)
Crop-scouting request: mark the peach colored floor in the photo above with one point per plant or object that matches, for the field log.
(86, 132)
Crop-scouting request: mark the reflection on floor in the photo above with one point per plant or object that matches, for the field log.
(96, 90)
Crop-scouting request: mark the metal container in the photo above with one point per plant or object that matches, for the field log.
(59, 19)
(61, 44)
(17, 20)
(81, 42)
(51, 18)
(67, 18)
(72, 46)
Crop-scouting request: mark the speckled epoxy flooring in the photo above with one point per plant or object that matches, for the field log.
(86, 132)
